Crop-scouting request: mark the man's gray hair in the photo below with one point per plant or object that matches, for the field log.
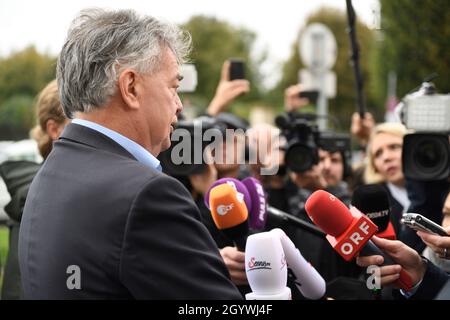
(101, 43)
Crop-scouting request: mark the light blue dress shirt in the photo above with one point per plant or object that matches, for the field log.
(141, 155)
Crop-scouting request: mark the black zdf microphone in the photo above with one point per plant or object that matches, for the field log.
(373, 201)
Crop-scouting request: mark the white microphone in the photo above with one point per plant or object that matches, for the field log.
(308, 280)
(265, 266)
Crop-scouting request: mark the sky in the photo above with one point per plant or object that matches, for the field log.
(44, 23)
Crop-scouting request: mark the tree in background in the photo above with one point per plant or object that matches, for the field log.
(414, 43)
(214, 41)
(343, 105)
(22, 75)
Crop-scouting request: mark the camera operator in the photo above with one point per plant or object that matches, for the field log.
(335, 169)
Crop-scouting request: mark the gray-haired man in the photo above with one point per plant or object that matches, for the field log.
(101, 220)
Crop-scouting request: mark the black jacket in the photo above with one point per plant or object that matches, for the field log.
(17, 176)
(131, 231)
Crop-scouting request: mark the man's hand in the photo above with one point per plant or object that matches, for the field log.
(361, 128)
(235, 262)
(407, 258)
(440, 245)
(227, 91)
(292, 100)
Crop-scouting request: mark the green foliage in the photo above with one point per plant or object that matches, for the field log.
(414, 43)
(343, 105)
(3, 250)
(25, 72)
(215, 41)
(22, 75)
(16, 116)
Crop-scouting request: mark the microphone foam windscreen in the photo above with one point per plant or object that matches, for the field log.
(373, 201)
(227, 209)
(237, 185)
(258, 211)
(328, 212)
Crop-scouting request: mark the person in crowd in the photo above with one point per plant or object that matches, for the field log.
(19, 174)
(384, 165)
(101, 220)
(335, 169)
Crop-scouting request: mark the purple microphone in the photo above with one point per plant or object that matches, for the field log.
(254, 198)
(258, 213)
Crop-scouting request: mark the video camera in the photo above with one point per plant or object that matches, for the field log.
(190, 139)
(426, 152)
(304, 139)
(185, 155)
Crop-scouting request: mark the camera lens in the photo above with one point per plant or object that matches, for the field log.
(428, 154)
(300, 158)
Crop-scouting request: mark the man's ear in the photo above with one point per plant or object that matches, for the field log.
(127, 85)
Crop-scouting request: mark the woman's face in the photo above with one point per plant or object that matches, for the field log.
(386, 151)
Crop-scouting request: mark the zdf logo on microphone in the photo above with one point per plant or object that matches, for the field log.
(223, 209)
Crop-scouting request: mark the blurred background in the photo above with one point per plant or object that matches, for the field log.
(401, 42)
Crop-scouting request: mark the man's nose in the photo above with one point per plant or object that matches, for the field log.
(179, 104)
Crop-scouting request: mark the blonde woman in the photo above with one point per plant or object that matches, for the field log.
(384, 165)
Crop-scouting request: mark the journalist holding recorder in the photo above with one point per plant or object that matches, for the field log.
(101, 220)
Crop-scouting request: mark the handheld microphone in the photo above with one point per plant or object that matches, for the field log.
(307, 279)
(274, 213)
(258, 210)
(349, 231)
(252, 192)
(265, 267)
(229, 213)
(373, 201)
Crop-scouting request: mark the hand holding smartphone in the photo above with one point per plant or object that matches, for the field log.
(312, 95)
(237, 69)
(420, 223)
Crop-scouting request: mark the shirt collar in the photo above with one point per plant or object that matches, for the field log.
(141, 154)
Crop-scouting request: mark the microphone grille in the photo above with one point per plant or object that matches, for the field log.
(328, 212)
(227, 208)
(373, 200)
(370, 198)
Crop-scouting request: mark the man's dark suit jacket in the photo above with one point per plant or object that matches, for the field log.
(132, 231)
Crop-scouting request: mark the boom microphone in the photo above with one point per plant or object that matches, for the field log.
(349, 231)
(373, 201)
